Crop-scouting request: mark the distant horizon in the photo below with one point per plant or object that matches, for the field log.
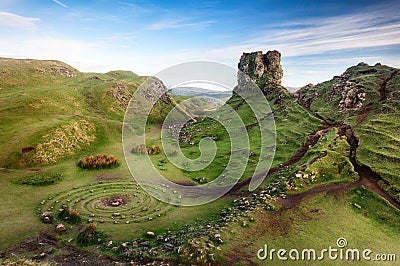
(290, 88)
(317, 39)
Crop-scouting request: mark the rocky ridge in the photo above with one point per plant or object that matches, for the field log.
(261, 68)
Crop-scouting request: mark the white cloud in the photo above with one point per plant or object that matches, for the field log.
(169, 24)
(42, 47)
(16, 21)
(60, 3)
(312, 40)
(368, 29)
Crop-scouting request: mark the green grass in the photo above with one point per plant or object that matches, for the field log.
(379, 141)
(39, 179)
(16, 261)
(325, 100)
(289, 138)
(61, 102)
(36, 102)
(324, 163)
(378, 129)
(317, 223)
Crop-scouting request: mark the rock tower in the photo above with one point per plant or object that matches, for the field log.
(264, 69)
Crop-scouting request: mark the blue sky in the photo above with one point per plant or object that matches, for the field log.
(317, 39)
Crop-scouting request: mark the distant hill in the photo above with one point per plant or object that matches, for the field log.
(292, 89)
(201, 92)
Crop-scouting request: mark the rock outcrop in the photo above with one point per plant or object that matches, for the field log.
(62, 71)
(348, 95)
(264, 69)
(352, 94)
(154, 90)
(121, 93)
(352, 97)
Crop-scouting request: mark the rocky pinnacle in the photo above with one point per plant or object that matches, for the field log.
(262, 67)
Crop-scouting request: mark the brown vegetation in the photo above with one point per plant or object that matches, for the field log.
(99, 162)
(142, 149)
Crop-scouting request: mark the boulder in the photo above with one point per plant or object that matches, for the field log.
(150, 234)
(46, 217)
(217, 238)
(60, 228)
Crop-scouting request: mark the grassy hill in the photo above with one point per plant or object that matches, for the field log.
(39, 97)
(368, 99)
(52, 115)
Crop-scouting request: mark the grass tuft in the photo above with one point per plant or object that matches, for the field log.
(39, 179)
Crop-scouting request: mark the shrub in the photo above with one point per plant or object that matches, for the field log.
(39, 179)
(142, 149)
(70, 216)
(101, 161)
(90, 235)
(153, 149)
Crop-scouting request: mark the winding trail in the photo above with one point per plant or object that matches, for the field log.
(382, 87)
(367, 178)
(312, 139)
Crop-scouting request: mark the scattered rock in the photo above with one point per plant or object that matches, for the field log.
(153, 251)
(353, 97)
(217, 238)
(150, 234)
(62, 71)
(169, 246)
(46, 217)
(145, 243)
(60, 228)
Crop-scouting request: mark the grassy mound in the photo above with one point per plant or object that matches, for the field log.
(64, 140)
(39, 179)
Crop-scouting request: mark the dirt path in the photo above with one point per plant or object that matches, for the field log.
(368, 178)
(382, 87)
(312, 139)
(45, 243)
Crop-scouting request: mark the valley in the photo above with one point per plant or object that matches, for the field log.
(335, 169)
